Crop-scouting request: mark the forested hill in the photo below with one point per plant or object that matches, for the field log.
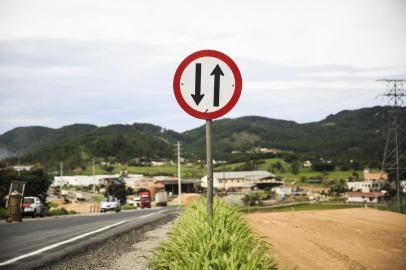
(356, 134)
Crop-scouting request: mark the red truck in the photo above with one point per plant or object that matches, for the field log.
(145, 199)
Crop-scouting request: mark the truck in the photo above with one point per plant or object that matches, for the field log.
(161, 198)
(110, 203)
(145, 199)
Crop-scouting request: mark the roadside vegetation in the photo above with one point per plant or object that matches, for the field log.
(3, 213)
(224, 243)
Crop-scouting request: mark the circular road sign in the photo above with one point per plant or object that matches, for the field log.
(207, 84)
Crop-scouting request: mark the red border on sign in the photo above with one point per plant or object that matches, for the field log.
(237, 89)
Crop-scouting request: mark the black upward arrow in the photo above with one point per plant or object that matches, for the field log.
(197, 97)
(217, 72)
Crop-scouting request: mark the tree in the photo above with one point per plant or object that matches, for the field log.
(251, 198)
(323, 167)
(118, 190)
(295, 167)
(36, 182)
(338, 187)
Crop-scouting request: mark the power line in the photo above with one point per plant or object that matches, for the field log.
(395, 96)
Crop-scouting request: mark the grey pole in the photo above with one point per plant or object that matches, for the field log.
(209, 169)
(179, 178)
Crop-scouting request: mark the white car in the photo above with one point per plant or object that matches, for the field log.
(33, 206)
(110, 204)
(137, 202)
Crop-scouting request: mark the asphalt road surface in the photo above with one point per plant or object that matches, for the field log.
(36, 242)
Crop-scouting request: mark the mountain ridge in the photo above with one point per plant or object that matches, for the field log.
(349, 133)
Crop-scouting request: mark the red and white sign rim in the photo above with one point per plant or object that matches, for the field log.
(237, 88)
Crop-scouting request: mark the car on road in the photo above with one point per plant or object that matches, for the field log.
(110, 204)
(32, 206)
(137, 202)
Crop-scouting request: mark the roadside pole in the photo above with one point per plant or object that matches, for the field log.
(207, 68)
(209, 169)
(94, 178)
(179, 178)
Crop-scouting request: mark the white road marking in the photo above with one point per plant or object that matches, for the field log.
(61, 243)
(74, 239)
(148, 215)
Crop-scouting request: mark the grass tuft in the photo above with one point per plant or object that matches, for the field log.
(224, 243)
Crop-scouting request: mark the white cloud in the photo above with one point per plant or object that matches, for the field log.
(113, 61)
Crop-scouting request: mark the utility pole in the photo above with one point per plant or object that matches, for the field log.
(94, 178)
(395, 96)
(209, 169)
(60, 168)
(179, 177)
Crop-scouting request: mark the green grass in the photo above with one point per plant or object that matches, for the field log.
(97, 198)
(187, 172)
(300, 207)
(224, 243)
(128, 207)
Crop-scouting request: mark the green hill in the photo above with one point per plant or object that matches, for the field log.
(356, 135)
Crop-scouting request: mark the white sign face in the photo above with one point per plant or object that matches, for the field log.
(203, 95)
(207, 84)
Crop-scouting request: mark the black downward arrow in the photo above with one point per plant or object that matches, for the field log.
(197, 97)
(217, 72)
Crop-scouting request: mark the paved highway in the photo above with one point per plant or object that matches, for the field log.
(35, 242)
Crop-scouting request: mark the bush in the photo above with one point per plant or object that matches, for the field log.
(128, 206)
(251, 198)
(224, 243)
(3, 213)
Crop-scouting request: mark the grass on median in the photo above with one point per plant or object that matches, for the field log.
(224, 243)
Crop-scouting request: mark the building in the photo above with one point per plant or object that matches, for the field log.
(81, 180)
(144, 183)
(20, 168)
(167, 183)
(366, 186)
(239, 180)
(403, 185)
(130, 179)
(375, 176)
(283, 191)
(171, 185)
(363, 197)
(307, 164)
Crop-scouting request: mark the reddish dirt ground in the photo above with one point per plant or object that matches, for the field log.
(334, 239)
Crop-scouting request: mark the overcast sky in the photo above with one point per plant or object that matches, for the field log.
(105, 62)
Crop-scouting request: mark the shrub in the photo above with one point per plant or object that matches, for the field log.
(251, 198)
(128, 206)
(3, 213)
(226, 242)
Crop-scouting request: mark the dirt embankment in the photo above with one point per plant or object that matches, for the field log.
(335, 239)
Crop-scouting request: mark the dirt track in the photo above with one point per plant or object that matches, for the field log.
(335, 239)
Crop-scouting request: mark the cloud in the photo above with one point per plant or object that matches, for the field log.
(106, 62)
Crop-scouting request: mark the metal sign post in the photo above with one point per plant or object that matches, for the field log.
(209, 169)
(179, 178)
(207, 85)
